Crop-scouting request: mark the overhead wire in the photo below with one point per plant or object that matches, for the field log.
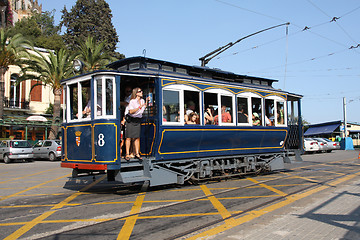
(335, 19)
(306, 28)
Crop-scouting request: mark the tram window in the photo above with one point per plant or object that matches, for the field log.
(109, 96)
(191, 103)
(85, 103)
(104, 99)
(98, 97)
(226, 110)
(243, 110)
(256, 111)
(73, 101)
(280, 108)
(211, 108)
(171, 106)
(269, 112)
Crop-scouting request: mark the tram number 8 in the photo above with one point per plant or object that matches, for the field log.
(101, 141)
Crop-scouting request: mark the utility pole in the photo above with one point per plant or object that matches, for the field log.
(345, 123)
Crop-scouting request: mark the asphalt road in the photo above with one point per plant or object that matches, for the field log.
(40, 200)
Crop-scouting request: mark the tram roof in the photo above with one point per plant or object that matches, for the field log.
(139, 64)
(150, 66)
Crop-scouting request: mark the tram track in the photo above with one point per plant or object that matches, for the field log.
(213, 223)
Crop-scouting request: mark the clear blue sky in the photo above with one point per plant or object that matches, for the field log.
(316, 63)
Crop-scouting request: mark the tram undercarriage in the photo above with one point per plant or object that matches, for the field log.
(195, 170)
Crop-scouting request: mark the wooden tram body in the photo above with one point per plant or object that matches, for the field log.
(173, 151)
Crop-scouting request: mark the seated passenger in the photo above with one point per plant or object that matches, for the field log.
(280, 119)
(225, 116)
(192, 118)
(242, 117)
(190, 108)
(267, 121)
(87, 109)
(256, 119)
(209, 117)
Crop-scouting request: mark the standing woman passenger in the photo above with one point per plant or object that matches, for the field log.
(136, 108)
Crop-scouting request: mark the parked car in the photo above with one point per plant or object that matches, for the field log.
(47, 149)
(311, 145)
(322, 144)
(332, 145)
(15, 149)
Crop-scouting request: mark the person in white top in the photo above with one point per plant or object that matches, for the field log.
(135, 110)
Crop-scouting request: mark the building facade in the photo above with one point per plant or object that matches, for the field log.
(19, 102)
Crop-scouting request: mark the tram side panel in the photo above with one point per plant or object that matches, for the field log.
(77, 142)
(177, 143)
(91, 146)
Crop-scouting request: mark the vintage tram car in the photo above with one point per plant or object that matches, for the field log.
(263, 129)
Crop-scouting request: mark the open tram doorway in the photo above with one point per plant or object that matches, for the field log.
(294, 140)
(149, 120)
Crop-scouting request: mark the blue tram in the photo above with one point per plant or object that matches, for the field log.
(243, 125)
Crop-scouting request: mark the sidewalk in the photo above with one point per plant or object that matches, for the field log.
(331, 214)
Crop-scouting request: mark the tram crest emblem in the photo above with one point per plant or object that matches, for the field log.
(77, 138)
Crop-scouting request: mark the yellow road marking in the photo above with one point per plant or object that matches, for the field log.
(283, 185)
(281, 193)
(129, 224)
(30, 175)
(24, 229)
(18, 233)
(257, 213)
(30, 188)
(225, 214)
(44, 205)
(109, 219)
(305, 178)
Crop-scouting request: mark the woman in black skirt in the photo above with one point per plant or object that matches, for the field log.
(135, 110)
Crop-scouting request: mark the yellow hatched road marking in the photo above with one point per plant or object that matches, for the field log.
(257, 213)
(305, 178)
(109, 219)
(225, 214)
(44, 205)
(30, 175)
(31, 188)
(24, 229)
(29, 226)
(129, 224)
(281, 193)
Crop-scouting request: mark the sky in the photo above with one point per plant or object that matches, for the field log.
(318, 57)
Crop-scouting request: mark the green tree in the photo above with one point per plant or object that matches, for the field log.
(94, 56)
(90, 18)
(40, 28)
(49, 70)
(13, 51)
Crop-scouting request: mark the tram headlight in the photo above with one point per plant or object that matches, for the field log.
(78, 65)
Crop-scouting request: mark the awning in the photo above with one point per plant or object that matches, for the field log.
(325, 129)
(37, 118)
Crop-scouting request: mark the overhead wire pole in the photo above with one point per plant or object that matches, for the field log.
(206, 59)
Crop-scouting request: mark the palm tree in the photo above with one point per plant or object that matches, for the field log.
(93, 55)
(13, 51)
(49, 71)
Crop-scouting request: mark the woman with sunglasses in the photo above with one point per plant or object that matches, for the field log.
(135, 110)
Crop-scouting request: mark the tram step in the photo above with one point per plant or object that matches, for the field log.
(133, 176)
